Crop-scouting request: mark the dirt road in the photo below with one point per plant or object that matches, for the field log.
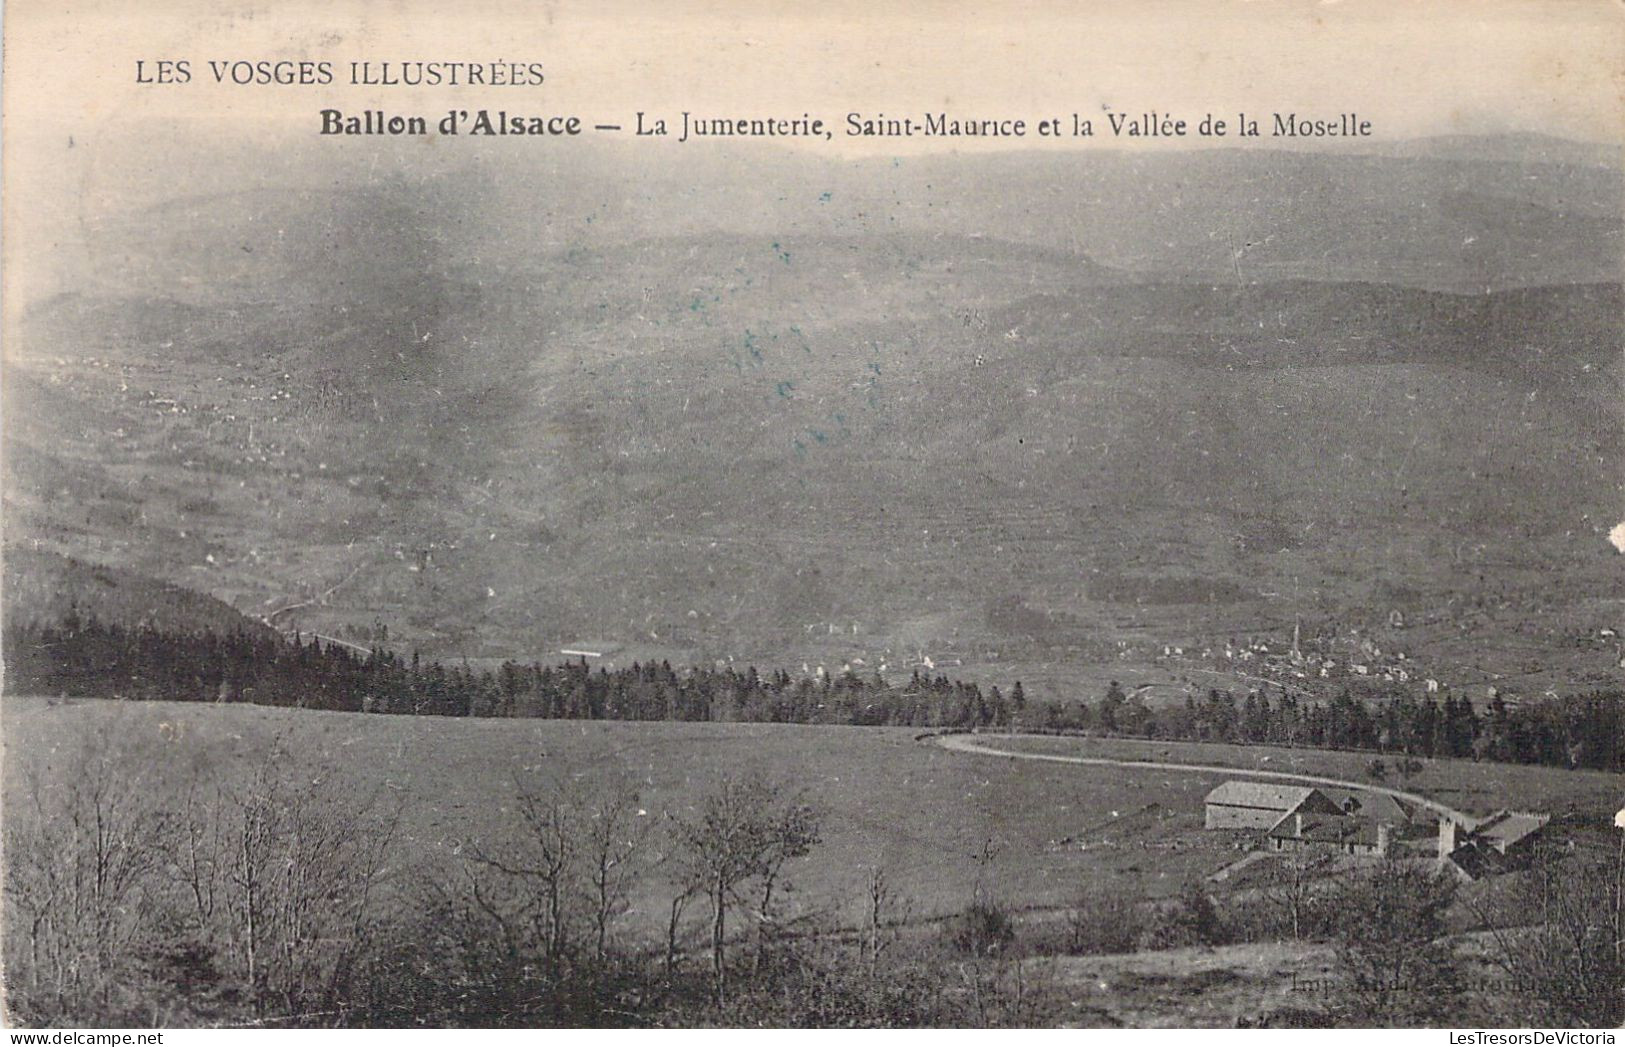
(985, 746)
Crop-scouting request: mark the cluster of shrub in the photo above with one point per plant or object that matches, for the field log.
(1396, 934)
(143, 891)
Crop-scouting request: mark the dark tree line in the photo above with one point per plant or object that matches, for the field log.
(1581, 731)
(88, 658)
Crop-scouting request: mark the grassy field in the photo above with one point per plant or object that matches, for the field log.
(939, 823)
(923, 814)
(1463, 784)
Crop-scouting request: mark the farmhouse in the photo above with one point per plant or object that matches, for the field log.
(1496, 844)
(1373, 805)
(1345, 833)
(1260, 805)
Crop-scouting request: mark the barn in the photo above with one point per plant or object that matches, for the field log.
(1496, 844)
(1347, 833)
(1262, 805)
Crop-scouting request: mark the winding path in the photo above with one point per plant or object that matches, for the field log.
(970, 743)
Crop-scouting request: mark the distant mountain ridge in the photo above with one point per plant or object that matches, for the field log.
(834, 409)
(46, 588)
(1463, 213)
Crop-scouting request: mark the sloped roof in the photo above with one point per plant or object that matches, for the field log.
(1477, 861)
(1327, 828)
(1266, 795)
(1381, 806)
(1508, 827)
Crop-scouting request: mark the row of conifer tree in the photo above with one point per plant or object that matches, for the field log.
(83, 657)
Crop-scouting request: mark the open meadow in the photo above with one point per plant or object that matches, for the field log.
(1470, 786)
(1074, 856)
(940, 824)
(937, 822)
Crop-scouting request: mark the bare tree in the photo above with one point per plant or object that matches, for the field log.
(299, 878)
(613, 837)
(686, 893)
(1292, 887)
(118, 879)
(742, 833)
(792, 833)
(202, 852)
(883, 919)
(559, 881)
(1390, 930)
(85, 847)
(1550, 935)
(542, 862)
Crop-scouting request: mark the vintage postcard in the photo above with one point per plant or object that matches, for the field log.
(701, 514)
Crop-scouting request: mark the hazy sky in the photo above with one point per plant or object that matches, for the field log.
(83, 138)
(1413, 67)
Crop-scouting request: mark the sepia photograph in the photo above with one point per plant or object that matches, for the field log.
(747, 515)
